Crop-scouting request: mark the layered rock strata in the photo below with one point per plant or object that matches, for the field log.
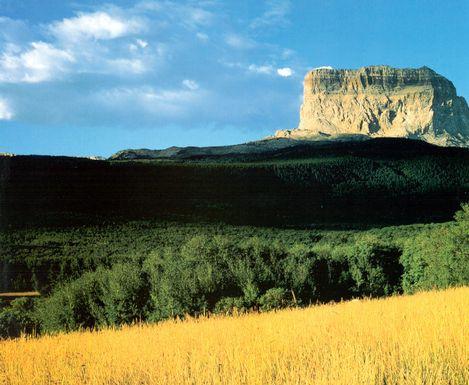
(381, 101)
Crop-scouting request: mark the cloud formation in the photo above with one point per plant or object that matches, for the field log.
(5, 111)
(97, 25)
(150, 64)
(238, 41)
(157, 103)
(190, 84)
(39, 62)
(261, 69)
(285, 72)
(323, 68)
(275, 14)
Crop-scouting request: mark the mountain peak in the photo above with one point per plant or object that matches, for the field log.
(382, 101)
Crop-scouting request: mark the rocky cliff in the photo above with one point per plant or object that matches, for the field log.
(381, 101)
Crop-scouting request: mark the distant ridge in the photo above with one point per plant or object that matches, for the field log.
(251, 148)
(278, 148)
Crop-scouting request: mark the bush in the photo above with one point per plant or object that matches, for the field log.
(230, 305)
(438, 258)
(75, 305)
(124, 294)
(106, 297)
(186, 281)
(275, 298)
(375, 268)
(297, 272)
(17, 317)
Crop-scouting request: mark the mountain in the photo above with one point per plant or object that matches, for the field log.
(353, 105)
(381, 101)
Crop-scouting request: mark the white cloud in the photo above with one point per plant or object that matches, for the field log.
(239, 42)
(199, 16)
(287, 53)
(323, 68)
(190, 84)
(142, 43)
(275, 14)
(285, 72)
(5, 111)
(188, 15)
(161, 103)
(262, 69)
(123, 65)
(139, 44)
(40, 63)
(97, 25)
(202, 36)
(265, 69)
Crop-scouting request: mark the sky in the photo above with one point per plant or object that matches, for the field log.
(85, 78)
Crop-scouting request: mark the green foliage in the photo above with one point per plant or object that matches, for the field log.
(186, 280)
(382, 181)
(124, 294)
(105, 297)
(230, 305)
(298, 267)
(207, 274)
(75, 305)
(17, 317)
(375, 267)
(275, 298)
(157, 270)
(438, 258)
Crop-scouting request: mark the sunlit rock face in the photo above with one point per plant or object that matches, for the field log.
(381, 101)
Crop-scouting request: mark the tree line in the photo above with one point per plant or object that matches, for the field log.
(224, 274)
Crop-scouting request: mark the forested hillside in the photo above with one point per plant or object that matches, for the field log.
(372, 182)
(112, 242)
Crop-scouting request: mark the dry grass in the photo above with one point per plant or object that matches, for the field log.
(17, 294)
(420, 339)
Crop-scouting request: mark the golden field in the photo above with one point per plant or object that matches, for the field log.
(419, 339)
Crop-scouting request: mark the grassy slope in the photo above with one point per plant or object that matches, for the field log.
(420, 339)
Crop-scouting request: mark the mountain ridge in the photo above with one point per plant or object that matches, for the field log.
(280, 148)
(249, 148)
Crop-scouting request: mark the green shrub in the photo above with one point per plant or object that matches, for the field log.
(75, 305)
(297, 272)
(185, 281)
(275, 298)
(375, 267)
(438, 258)
(230, 305)
(124, 294)
(102, 298)
(17, 317)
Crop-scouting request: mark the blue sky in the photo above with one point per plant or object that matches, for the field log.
(91, 78)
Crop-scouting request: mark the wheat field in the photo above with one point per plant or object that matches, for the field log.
(419, 339)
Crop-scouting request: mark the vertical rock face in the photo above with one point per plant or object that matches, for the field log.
(380, 101)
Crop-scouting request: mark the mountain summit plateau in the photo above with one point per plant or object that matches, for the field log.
(381, 101)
